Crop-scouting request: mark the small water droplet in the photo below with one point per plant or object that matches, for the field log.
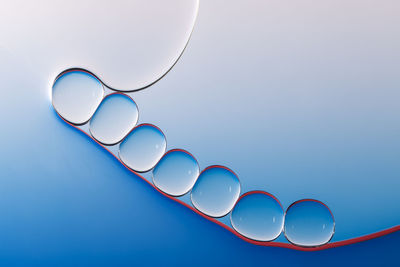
(176, 172)
(76, 95)
(114, 118)
(309, 223)
(138, 151)
(258, 216)
(211, 194)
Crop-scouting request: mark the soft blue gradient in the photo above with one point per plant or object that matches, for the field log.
(258, 216)
(114, 119)
(299, 99)
(215, 191)
(65, 201)
(176, 173)
(76, 96)
(143, 148)
(309, 223)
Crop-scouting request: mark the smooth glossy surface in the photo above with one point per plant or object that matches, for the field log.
(61, 195)
(300, 99)
(216, 191)
(309, 223)
(128, 44)
(143, 148)
(176, 172)
(258, 216)
(76, 96)
(114, 118)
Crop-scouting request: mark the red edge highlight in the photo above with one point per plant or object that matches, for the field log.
(259, 243)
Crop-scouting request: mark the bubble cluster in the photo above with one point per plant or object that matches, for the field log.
(80, 98)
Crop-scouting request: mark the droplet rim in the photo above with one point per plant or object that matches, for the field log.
(134, 128)
(210, 167)
(77, 70)
(165, 154)
(265, 193)
(312, 200)
(104, 98)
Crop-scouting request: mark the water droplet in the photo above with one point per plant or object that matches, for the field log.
(176, 172)
(216, 191)
(258, 216)
(143, 147)
(309, 223)
(76, 95)
(114, 118)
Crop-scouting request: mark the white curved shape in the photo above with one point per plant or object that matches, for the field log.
(128, 53)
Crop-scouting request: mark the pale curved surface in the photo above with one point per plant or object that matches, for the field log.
(127, 53)
(114, 119)
(76, 96)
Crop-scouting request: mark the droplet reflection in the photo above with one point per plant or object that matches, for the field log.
(216, 191)
(76, 95)
(309, 223)
(143, 148)
(114, 118)
(258, 215)
(176, 172)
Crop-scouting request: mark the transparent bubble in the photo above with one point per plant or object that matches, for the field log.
(143, 148)
(309, 223)
(258, 215)
(114, 118)
(216, 191)
(76, 95)
(176, 172)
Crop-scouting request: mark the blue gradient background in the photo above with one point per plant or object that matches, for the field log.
(309, 108)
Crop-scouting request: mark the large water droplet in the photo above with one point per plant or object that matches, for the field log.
(258, 215)
(216, 191)
(76, 96)
(309, 223)
(143, 147)
(176, 172)
(114, 118)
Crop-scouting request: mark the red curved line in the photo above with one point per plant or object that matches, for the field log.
(311, 199)
(259, 243)
(221, 167)
(180, 150)
(134, 128)
(260, 192)
(119, 93)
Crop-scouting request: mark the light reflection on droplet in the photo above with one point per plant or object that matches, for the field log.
(216, 191)
(143, 147)
(114, 118)
(76, 94)
(309, 223)
(258, 215)
(176, 172)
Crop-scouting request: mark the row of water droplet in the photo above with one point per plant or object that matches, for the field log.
(79, 98)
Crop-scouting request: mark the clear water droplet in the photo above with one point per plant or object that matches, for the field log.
(143, 147)
(176, 172)
(216, 191)
(309, 223)
(114, 118)
(258, 216)
(76, 95)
